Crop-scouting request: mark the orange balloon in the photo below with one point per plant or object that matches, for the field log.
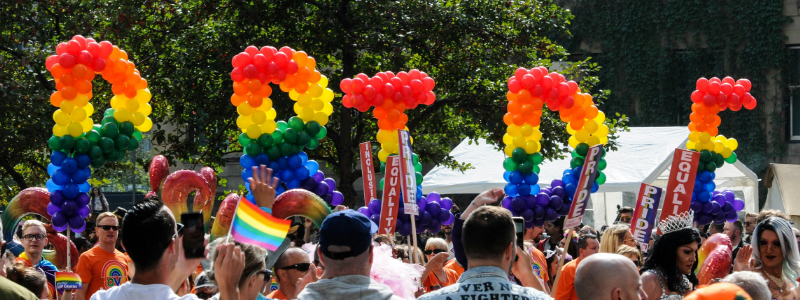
(79, 71)
(537, 103)
(524, 95)
(240, 88)
(237, 100)
(591, 112)
(565, 117)
(83, 86)
(133, 79)
(400, 106)
(142, 84)
(69, 92)
(315, 76)
(265, 91)
(399, 125)
(701, 126)
(290, 80)
(388, 105)
(587, 100)
(717, 121)
(514, 107)
(713, 109)
(692, 127)
(130, 68)
(311, 63)
(578, 113)
(59, 85)
(712, 130)
(254, 100)
(695, 117)
(118, 89)
(379, 113)
(709, 118)
(579, 99)
(534, 119)
(89, 75)
(576, 124)
(303, 74)
(508, 118)
(511, 96)
(55, 99)
(385, 124)
(130, 92)
(301, 86)
(57, 70)
(254, 85)
(393, 115)
(119, 78)
(519, 119)
(120, 66)
(403, 118)
(67, 79)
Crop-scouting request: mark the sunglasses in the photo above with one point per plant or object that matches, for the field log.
(747, 223)
(625, 218)
(302, 267)
(636, 262)
(109, 227)
(434, 251)
(267, 275)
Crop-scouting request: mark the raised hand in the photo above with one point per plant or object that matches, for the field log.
(489, 196)
(228, 268)
(262, 187)
(743, 261)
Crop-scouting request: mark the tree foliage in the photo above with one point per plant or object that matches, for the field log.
(183, 49)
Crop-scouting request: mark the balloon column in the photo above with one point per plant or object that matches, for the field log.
(280, 145)
(711, 97)
(77, 143)
(528, 92)
(391, 94)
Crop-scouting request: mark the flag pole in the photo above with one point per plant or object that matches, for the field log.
(228, 239)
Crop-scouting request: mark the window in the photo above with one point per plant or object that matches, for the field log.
(794, 99)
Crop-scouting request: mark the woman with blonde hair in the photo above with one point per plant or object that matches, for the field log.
(632, 253)
(615, 236)
(435, 275)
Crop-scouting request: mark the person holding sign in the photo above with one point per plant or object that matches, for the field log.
(667, 273)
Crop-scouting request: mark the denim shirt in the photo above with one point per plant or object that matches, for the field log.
(485, 283)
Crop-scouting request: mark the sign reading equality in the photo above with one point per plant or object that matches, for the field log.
(584, 190)
(391, 196)
(644, 215)
(681, 183)
(367, 172)
(409, 179)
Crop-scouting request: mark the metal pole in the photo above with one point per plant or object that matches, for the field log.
(133, 177)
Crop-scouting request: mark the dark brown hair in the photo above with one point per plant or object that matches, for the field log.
(30, 278)
(487, 233)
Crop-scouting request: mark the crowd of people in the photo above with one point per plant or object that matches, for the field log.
(138, 254)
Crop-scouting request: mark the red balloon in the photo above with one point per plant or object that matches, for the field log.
(73, 47)
(568, 102)
(520, 72)
(747, 98)
(93, 48)
(714, 88)
(416, 85)
(85, 58)
(388, 90)
(431, 98)
(745, 83)
(407, 91)
(717, 265)
(287, 51)
(268, 52)
(105, 49)
(51, 60)
(738, 89)
(728, 80)
(250, 71)
(376, 82)
(547, 83)
(346, 101)
(702, 85)
(273, 69)
(709, 100)
(369, 93)
(61, 48)
(378, 101)
(752, 104)
(537, 91)
(357, 100)
(528, 82)
(252, 50)
(98, 64)
(403, 77)
(261, 62)
(697, 96)
(553, 95)
(237, 75)
(414, 74)
(573, 87)
(81, 41)
(514, 86)
(428, 84)
(291, 67)
(358, 86)
(563, 89)
(396, 82)
(346, 85)
(726, 88)
(280, 59)
(722, 100)
(66, 60)
(537, 74)
(715, 79)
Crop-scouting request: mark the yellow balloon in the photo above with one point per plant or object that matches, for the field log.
(121, 114)
(132, 105)
(297, 108)
(708, 145)
(573, 142)
(513, 130)
(78, 115)
(143, 96)
(81, 100)
(327, 95)
(305, 100)
(718, 147)
(384, 136)
(509, 150)
(721, 138)
(243, 122)
(603, 139)
(519, 141)
(602, 130)
(582, 136)
(690, 145)
(590, 126)
(732, 144)
(526, 130)
(89, 108)
(531, 147)
(61, 118)
(271, 114)
(705, 137)
(600, 118)
(309, 112)
(86, 125)
(117, 102)
(570, 130)
(266, 104)
(317, 104)
(382, 155)
(75, 129)
(293, 95)
(593, 141)
(726, 152)
(698, 146)
(322, 119)
(67, 106)
(138, 118)
(253, 131)
(535, 136)
(145, 109)
(268, 126)
(694, 136)
(392, 148)
(323, 81)
(60, 130)
(245, 109)
(327, 109)
(146, 126)
(258, 117)
(315, 90)
(508, 139)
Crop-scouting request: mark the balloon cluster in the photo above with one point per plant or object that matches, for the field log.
(391, 95)
(77, 142)
(528, 92)
(434, 211)
(294, 71)
(279, 145)
(714, 206)
(546, 205)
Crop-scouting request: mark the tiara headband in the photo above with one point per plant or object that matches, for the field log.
(677, 222)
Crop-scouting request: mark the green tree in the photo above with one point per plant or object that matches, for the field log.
(184, 48)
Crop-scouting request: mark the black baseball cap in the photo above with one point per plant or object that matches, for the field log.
(346, 228)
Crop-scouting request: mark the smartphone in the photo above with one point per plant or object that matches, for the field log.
(193, 239)
(519, 224)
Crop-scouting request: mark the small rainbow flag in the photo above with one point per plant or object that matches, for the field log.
(68, 281)
(254, 226)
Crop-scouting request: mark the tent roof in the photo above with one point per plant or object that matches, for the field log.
(644, 155)
(783, 177)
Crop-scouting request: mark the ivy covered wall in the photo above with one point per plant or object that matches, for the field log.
(652, 52)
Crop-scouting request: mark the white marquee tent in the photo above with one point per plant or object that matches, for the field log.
(644, 155)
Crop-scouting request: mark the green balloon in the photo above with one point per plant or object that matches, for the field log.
(134, 144)
(418, 167)
(415, 158)
(313, 128)
(313, 144)
(121, 142)
(109, 119)
(575, 162)
(244, 140)
(286, 149)
(303, 138)
(582, 149)
(282, 125)
(296, 149)
(113, 155)
(252, 149)
(519, 155)
(601, 178)
(82, 145)
(126, 128)
(719, 161)
(731, 159)
(381, 183)
(265, 140)
(67, 142)
(705, 156)
(54, 143)
(383, 167)
(93, 136)
(700, 167)
(122, 155)
(277, 137)
(537, 158)
(509, 164)
(296, 123)
(107, 144)
(95, 152)
(290, 135)
(137, 135)
(99, 162)
(419, 177)
(274, 153)
(525, 167)
(108, 113)
(711, 166)
(536, 169)
(323, 132)
(601, 165)
(110, 130)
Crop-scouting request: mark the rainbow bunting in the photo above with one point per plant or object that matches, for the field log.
(254, 226)
(68, 281)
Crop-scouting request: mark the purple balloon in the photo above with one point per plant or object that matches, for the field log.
(446, 203)
(704, 219)
(376, 218)
(450, 219)
(738, 204)
(556, 202)
(364, 211)
(403, 216)
(57, 198)
(719, 198)
(52, 209)
(719, 219)
(434, 208)
(506, 203)
(434, 197)
(374, 205)
(529, 225)
(729, 196)
(559, 191)
(84, 211)
(69, 208)
(731, 216)
(708, 207)
(328, 198)
(425, 218)
(538, 212)
(322, 189)
(319, 176)
(309, 184)
(83, 199)
(527, 215)
(557, 183)
(696, 206)
(550, 215)
(59, 219)
(517, 204)
(564, 209)
(406, 229)
(337, 198)
(434, 226)
(530, 201)
(420, 229)
(538, 222)
(542, 200)
(444, 215)
(728, 208)
(715, 208)
(547, 190)
(331, 183)
(77, 224)
(422, 203)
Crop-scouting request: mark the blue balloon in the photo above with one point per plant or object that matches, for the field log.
(312, 166)
(534, 189)
(704, 197)
(506, 174)
(247, 185)
(595, 188)
(287, 175)
(567, 172)
(262, 159)
(69, 165)
(283, 163)
(250, 198)
(704, 176)
(51, 169)
(710, 186)
(294, 161)
(57, 157)
(293, 184)
(52, 186)
(70, 190)
(523, 189)
(280, 190)
(515, 177)
(419, 191)
(301, 173)
(57, 198)
(569, 180)
(61, 177)
(576, 173)
(247, 173)
(83, 160)
(247, 161)
(80, 176)
(571, 187)
(84, 187)
(531, 178)
(274, 166)
(511, 190)
(303, 156)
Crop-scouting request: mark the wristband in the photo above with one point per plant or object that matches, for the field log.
(267, 209)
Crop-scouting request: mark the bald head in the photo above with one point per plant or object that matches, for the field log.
(593, 283)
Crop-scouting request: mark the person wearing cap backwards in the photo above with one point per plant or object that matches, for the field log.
(345, 250)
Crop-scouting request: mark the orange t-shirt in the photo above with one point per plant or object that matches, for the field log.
(566, 285)
(277, 295)
(453, 265)
(539, 264)
(101, 270)
(432, 283)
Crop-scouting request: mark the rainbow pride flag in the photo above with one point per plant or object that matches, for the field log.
(68, 281)
(254, 226)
